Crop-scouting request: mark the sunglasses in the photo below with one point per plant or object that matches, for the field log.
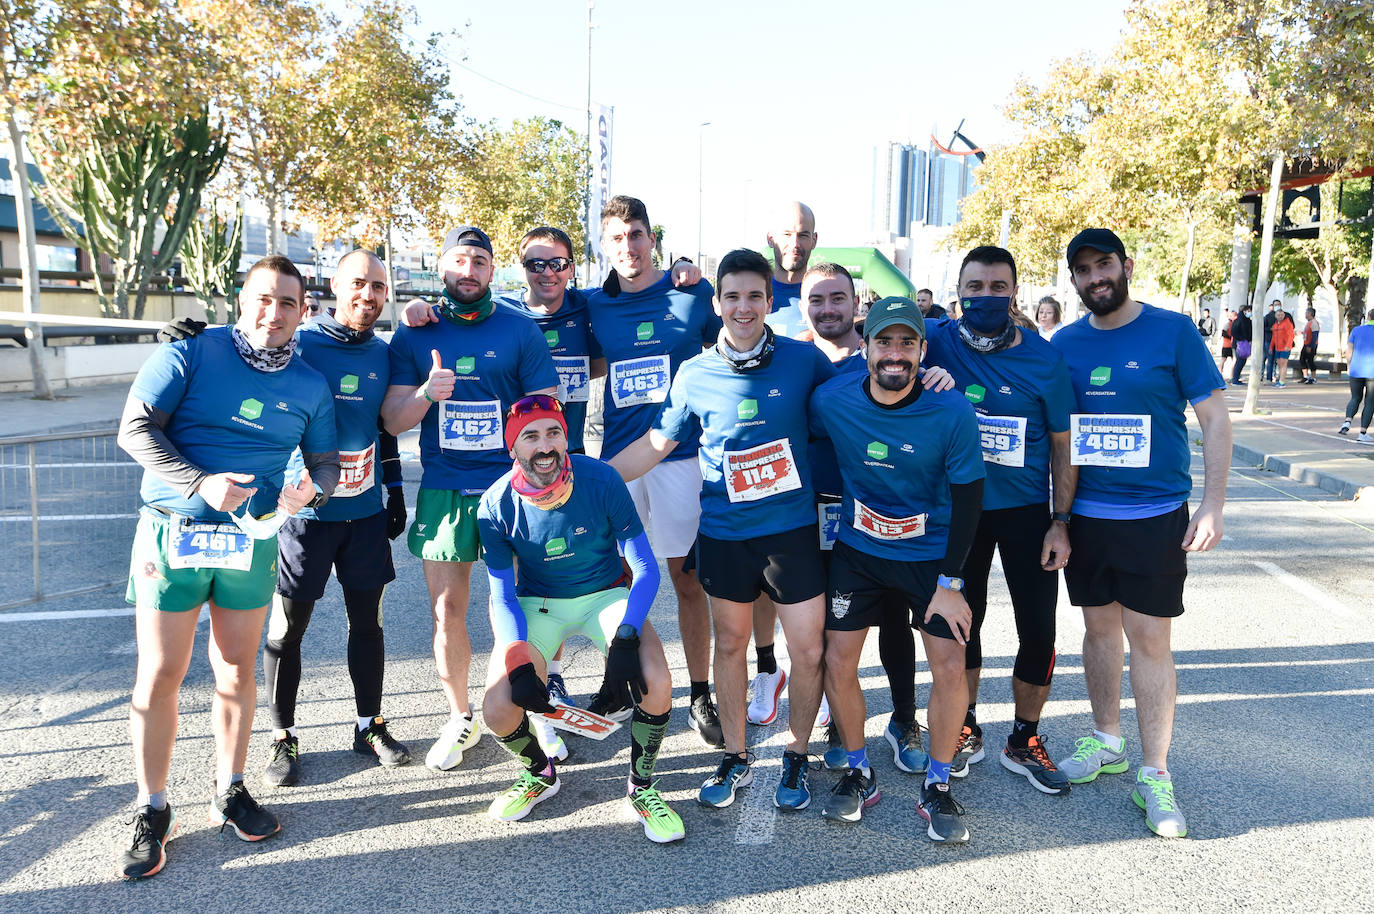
(557, 264)
(534, 403)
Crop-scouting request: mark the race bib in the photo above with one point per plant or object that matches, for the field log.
(828, 518)
(880, 526)
(1004, 440)
(472, 426)
(356, 473)
(1110, 440)
(574, 377)
(760, 471)
(636, 382)
(198, 545)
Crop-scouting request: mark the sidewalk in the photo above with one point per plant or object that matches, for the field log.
(76, 409)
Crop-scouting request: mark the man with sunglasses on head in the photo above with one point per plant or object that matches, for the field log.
(456, 378)
(214, 420)
(553, 530)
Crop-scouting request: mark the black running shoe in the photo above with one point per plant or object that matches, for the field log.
(381, 745)
(854, 793)
(284, 766)
(945, 815)
(704, 719)
(236, 809)
(607, 706)
(147, 854)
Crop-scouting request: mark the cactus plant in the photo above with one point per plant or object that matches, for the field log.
(210, 261)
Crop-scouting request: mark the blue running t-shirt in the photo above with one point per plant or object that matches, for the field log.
(787, 318)
(568, 334)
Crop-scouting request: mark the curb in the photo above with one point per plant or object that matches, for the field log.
(1342, 488)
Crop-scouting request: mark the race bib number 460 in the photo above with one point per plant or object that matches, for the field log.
(1004, 440)
(880, 526)
(636, 382)
(356, 474)
(196, 545)
(760, 471)
(1110, 440)
(574, 376)
(470, 426)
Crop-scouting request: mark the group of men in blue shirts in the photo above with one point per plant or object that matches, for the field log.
(832, 485)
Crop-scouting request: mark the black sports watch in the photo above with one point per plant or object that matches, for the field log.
(1061, 516)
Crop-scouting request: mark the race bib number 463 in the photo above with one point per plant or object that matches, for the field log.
(1004, 440)
(1110, 440)
(472, 426)
(760, 471)
(636, 382)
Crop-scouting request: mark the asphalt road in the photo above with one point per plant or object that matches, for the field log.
(1271, 760)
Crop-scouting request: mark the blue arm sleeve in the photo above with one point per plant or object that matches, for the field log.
(507, 618)
(643, 581)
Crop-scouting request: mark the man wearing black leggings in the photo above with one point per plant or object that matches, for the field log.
(1360, 354)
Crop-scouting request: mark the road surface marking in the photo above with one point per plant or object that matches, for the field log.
(1318, 596)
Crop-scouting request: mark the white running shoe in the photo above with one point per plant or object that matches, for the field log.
(548, 737)
(823, 715)
(459, 735)
(763, 707)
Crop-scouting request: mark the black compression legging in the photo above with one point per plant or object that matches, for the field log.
(897, 651)
(1307, 359)
(1361, 388)
(281, 660)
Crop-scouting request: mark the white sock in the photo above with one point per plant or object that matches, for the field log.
(1114, 743)
(1159, 774)
(223, 784)
(556, 667)
(365, 722)
(156, 800)
(283, 734)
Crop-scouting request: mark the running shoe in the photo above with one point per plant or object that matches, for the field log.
(459, 735)
(968, 751)
(851, 795)
(1034, 763)
(719, 789)
(1090, 758)
(528, 791)
(792, 792)
(284, 765)
(1156, 796)
(767, 688)
(558, 692)
(236, 809)
(823, 715)
(147, 853)
(908, 752)
(702, 717)
(1280, 384)
(549, 739)
(606, 705)
(836, 759)
(1345, 428)
(661, 824)
(946, 817)
(377, 742)
(1365, 438)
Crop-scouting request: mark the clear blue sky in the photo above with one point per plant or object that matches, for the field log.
(798, 94)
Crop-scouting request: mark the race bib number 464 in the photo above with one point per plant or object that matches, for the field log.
(472, 426)
(574, 375)
(1110, 440)
(636, 382)
(760, 471)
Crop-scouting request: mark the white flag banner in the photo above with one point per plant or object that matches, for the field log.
(600, 157)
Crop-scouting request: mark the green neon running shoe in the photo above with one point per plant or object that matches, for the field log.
(1090, 758)
(661, 824)
(1155, 795)
(528, 791)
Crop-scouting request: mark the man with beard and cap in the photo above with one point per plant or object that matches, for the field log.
(1134, 368)
(912, 482)
(564, 521)
(1019, 386)
(456, 378)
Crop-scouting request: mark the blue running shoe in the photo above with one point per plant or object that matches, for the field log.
(792, 792)
(719, 789)
(908, 753)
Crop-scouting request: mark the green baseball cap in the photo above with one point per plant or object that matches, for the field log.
(894, 309)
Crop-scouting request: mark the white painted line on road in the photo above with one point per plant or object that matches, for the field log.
(1316, 594)
(56, 615)
(51, 517)
(758, 816)
(60, 466)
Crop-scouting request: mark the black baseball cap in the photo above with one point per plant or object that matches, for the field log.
(1099, 239)
(466, 234)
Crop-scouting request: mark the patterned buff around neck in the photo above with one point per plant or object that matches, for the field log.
(553, 495)
(470, 313)
(740, 362)
(263, 359)
(986, 344)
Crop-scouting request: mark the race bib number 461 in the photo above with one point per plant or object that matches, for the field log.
(636, 382)
(1110, 440)
(196, 545)
(760, 471)
(470, 426)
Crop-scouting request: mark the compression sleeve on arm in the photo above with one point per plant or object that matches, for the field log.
(142, 435)
(324, 471)
(389, 453)
(507, 618)
(644, 580)
(965, 510)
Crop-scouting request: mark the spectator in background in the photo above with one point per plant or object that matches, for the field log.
(1228, 351)
(1241, 331)
(1049, 317)
(925, 300)
(1359, 352)
(1207, 326)
(1281, 345)
(1307, 356)
(1269, 319)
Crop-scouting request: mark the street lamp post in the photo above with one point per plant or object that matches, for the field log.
(701, 133)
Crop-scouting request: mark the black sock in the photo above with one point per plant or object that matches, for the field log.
(523, 745)
(971, 720)
(646, 735)
(1021, 732)
(767, 662)
(701, 689)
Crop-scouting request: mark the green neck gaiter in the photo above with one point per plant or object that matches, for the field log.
(461, 314)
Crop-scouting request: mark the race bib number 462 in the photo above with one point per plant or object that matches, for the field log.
(636, 382)
(1108, 440)
(1003, 439)
(472, 426)
(760, 471)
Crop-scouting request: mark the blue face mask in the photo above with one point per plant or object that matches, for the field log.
(987, 315)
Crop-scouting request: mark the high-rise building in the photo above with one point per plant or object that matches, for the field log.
(920, 186)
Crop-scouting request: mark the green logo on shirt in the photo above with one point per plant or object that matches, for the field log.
(877, 450)
(250, 408)
(1101, 375)
(975, 393)
(551, 337)
(348, 384)
(645, 331)
(465, 365)
(748, 409)
(556, 546)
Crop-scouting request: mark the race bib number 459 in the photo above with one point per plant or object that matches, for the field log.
(1110, 440)
(636, 382)
(472, 426)
(760, 471)
(1004, 440)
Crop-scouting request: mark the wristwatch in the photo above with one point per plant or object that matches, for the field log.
(949, 583)
(1061, 516)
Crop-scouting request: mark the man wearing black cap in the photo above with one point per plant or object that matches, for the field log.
(457, 377)
(1134, 367)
